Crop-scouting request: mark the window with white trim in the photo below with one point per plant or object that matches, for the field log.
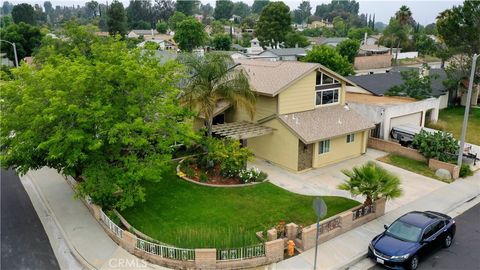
(327, 96)
(350, 138)
(323, 79)
(324, 147)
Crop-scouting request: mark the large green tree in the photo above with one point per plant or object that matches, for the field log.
(25, 36)
(302, 13)
(222, 42)
(214, 80)
(139, 14)
(295, 39)
(459, 27)
(349, 48)
(331, 58)
(241, 9)
(190, 34)
(108, 119)
(117, 19)
(175, 19)
(274, 24)
(414, 85)
(223, 10)
(24, 13)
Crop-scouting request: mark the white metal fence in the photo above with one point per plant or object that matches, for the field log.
(169, 252)
(241, 253)
(110, 224)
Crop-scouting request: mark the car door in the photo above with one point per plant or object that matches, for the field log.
(438, 233)
(427, 239)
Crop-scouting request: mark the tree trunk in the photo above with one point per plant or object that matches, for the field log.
(209, 126)
(396, 53)
(368, 201)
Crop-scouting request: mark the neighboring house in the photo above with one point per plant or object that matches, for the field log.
(372, 40)
(5, 61)
(373, 57)
(289, 54)
(301, 120)
(333, 41)
(239, 48)
(319, 24)
(163, 44)
(141, 33)
(367, 97)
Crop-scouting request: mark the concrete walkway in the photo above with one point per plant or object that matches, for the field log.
(71, 228)
(351, 247)
(324, 181)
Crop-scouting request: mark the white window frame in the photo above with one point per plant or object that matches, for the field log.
(323, 90)
(321, 79)
(323, 147)
(351, 138)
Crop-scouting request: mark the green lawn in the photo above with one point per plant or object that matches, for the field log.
(408, 164)
(451, 119)
(188, 215)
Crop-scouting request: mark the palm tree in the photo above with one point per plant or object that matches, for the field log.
(403, 16)
(371, 181)
(214, 79)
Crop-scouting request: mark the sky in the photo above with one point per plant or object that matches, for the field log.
(423, 11)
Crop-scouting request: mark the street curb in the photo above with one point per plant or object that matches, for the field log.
(449, 210)
(46, 205)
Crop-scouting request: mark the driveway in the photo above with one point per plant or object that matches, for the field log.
(324, 181)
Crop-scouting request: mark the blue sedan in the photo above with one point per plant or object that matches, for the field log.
(411, 236)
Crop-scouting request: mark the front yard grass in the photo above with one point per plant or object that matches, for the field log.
(451, 120)
(412, 165)
(187, 215)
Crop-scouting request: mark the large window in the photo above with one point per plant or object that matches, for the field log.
(324, 147)
(323, 79)
(328, 96)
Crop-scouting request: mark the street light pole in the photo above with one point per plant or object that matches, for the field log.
(467, 109)
(14, 50)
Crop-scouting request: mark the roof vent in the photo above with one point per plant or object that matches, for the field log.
(339, 122)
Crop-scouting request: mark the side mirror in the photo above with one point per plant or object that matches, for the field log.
(385, 227)
(424, 241)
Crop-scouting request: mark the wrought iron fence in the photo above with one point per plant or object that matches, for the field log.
(169, 252)
(330, 225)
(363, 211)
(241, 253)
(110, 224)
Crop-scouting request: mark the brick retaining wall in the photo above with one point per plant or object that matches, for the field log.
(452, 168)
(395, 148)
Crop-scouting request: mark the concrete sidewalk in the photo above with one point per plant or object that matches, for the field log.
(71, 229)
(351, 247)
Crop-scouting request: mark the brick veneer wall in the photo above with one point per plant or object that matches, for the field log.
(396, 148)
(452, 168)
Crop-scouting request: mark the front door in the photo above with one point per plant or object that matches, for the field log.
(305, 155)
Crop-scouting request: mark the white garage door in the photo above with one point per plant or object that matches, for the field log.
(412, 119)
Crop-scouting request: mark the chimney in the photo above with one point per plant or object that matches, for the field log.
(365, 39)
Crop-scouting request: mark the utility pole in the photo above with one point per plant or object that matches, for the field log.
(467, 109)
(14, 50)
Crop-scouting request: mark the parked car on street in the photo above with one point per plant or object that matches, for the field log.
(410, 237)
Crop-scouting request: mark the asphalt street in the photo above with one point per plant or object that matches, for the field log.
(464, 254)
(24, 243)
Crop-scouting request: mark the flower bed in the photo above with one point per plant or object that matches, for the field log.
(190, 170)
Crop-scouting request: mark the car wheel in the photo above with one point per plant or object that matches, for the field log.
(414, 263)
(448, 241)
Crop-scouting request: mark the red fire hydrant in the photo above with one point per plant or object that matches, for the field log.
(290, 248)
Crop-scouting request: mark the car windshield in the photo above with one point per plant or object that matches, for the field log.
(404, 231)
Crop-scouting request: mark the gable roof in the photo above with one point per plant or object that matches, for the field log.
(271, 77)
(333, 40)
(379, 83)
(325, 122)
(287, 51)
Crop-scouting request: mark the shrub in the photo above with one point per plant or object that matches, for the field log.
(225, 153)
(189, 172)
(439, 145)
(203, 177)
(252, 175)
(465, 171)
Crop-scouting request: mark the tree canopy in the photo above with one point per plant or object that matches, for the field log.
(274, 24)
(25, 36)
(349, 49)
(23, 13)
(258, 5)
(117, 19)
(295, 39)
(187, 7)
(414, 85)
(175, 19)
(331, 58)
(190, 34)
(221, 42)
(223, 9)
(108, 118)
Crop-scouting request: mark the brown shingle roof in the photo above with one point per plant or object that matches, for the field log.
(271, 77)
(325, 122)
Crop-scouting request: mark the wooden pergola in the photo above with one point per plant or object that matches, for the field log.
(241, 130)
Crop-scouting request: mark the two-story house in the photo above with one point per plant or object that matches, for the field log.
(301, 119)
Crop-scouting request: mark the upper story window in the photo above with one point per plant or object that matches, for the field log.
(323, 79)
(328, 96)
